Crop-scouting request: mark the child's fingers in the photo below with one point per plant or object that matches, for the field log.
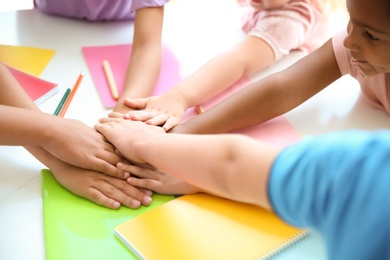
(137, 103)
(102, 200)
(140, 115)
(115, 115)
(126, 194)
(109, 169)
(171, 122)
(157, 120)
(138, 171)
(110, 196)
(126, 167)
(104, 129)
(145, 184)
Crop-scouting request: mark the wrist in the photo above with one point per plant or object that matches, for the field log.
(180, 96)
(51, 130)
(183, 128)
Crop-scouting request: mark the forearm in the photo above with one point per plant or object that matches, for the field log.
(212, 78)
(143, 71)
(16, 113)
(145, 61)
(50, 161)
(24, 126)
(251, 105)
(232, 166)
(268, 97)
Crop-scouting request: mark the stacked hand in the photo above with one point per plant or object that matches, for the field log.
(165, 110)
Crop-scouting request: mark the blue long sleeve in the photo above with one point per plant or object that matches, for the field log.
(339, 184)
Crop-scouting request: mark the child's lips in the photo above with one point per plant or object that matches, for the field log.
(359, 61)
(360, 65)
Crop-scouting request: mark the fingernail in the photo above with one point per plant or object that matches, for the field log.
(116, 205)
(135, 204)
(149, 193)
(126, 175)
(147, 200)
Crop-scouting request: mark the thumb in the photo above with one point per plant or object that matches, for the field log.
(136, 103)
(103, 129)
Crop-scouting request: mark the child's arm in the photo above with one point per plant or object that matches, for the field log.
(231, 166)
(336, 183)
(145, 61)
(23, 124)
(70, 140)
(269, 97)
(246, 58)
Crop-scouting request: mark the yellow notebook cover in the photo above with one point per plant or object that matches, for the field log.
(203, 226)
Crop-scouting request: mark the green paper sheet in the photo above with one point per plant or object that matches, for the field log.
(76, 228)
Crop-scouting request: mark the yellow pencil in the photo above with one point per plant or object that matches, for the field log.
(110, 79)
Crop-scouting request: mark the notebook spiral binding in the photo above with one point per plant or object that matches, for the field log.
(12, 69)
(283, 246)
(49, 88)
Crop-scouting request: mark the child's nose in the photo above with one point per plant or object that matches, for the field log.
(350, 40)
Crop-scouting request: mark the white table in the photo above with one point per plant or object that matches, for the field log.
(195, 31)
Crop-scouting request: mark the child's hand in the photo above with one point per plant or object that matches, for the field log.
(101, 189)
(146, 177)
(127, 135)
(80, 145)
(165, 110)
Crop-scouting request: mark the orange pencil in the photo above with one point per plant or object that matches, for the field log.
(71, 95)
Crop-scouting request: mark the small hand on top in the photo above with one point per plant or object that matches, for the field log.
(165, 110)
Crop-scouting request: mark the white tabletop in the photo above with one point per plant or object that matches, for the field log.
(196, 31)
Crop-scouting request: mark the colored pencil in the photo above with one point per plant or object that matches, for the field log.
(61, 104)
(110, 79)
(71, 94)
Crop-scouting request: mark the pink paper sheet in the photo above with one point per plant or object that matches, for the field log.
(118, 56)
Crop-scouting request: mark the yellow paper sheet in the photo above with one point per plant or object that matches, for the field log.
(28, 59)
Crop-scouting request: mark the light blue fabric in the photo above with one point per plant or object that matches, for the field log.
(96, 10)
(338, 184)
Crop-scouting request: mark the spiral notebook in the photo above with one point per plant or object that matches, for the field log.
(38, 89)
(202, 226)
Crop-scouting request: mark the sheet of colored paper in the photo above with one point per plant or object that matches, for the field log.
(118, 57)
(28, 59)
(76, 228)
